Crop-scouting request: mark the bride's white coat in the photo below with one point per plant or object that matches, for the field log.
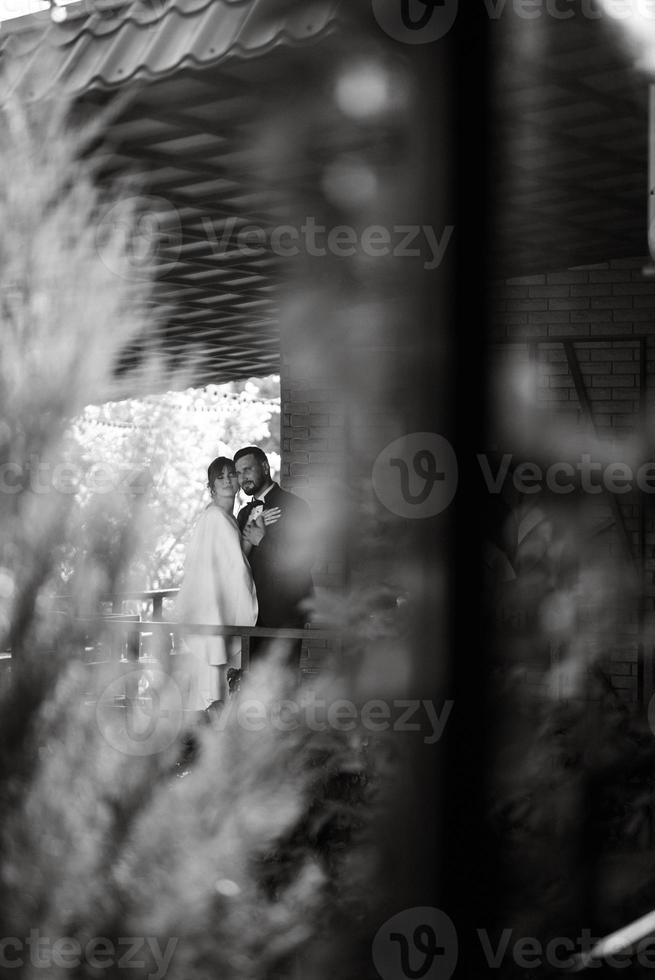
(217, 590)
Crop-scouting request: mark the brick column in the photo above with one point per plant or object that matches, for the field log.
(591, 304)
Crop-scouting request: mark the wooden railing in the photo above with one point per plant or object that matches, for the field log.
(129, 631)
(155, 596)
(170, 634)
(116, 600)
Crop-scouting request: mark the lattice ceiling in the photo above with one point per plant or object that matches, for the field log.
(569, 138)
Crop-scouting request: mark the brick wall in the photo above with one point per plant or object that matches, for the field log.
(590, 305)
(332, 431)
(612, 298)
(313, 451)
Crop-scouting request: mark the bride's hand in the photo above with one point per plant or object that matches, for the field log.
(272, 516)
(254, 531)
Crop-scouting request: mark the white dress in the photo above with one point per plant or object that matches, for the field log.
(217, 590)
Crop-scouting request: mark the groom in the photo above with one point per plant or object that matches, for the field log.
(281, 563)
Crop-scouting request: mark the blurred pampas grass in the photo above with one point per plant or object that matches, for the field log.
(68, 313)
(249, 861)
(231, 865)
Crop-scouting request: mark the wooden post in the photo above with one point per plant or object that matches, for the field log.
(133, 644)
(651, 171)
(646, 681)
(245, 652)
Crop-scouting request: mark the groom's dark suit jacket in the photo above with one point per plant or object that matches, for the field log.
(281, 564)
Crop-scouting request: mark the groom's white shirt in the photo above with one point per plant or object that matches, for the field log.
(242, 500)
(256, 511)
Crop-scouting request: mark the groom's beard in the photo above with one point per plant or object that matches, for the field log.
(253, 490)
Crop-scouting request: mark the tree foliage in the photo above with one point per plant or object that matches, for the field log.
(180, 433)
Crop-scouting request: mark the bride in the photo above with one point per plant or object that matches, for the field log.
(218, 587)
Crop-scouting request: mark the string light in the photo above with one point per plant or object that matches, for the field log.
(57, 13)
(241, 397)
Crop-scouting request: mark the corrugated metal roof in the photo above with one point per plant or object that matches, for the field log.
(151, 39)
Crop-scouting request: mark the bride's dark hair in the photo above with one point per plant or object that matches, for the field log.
(216, 469)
